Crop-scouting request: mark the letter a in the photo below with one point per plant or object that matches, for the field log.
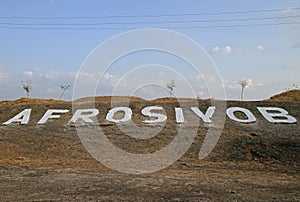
(22, 117)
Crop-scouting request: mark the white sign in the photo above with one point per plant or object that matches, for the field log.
(271, 114)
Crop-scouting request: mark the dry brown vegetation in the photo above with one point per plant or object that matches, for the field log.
(251, 162)
(288, 96)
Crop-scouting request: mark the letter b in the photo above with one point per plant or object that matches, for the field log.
(280, 117)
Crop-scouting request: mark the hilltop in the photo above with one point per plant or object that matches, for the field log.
(288, 96)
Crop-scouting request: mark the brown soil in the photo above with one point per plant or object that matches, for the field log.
(251, 162)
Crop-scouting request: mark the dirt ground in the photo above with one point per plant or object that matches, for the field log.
(251, 162)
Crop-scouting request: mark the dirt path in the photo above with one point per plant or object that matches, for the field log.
(202, 183)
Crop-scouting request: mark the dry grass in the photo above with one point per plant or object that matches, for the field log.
(288, 96)
(251, 162)
(25, 101)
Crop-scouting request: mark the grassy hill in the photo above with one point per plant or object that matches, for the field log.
(288, 96)
(255, 161)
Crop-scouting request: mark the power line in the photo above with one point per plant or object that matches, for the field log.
(153, 16)
(128, 28)
(238, 25)
(82, 26)
(153, 22)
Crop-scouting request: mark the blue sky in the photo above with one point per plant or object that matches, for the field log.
(266, 55)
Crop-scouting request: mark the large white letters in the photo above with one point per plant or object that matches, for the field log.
(280, 116)
(82, 114)
(49, 114)
(250, 117)
(22, 117)
(127, 114)
(271, 114)
(147, 112)
(179, 115)
(207, 116)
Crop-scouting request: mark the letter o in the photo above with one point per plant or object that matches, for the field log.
(127, 114)
(250, 117)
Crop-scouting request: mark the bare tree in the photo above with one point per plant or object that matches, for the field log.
(170, 87)
(63, 90)
(244, 84)
(26, 86)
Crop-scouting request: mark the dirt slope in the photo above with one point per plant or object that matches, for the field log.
(251, 162)
(288, 96)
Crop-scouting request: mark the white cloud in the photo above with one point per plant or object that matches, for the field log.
(249, 83)
(46, 85)
(216, 49)
(3, 76)
(260, 47)
(237, 85)
(28, 73)
(232, 88)
(200, 94)
(85, 75)
(225, 50)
